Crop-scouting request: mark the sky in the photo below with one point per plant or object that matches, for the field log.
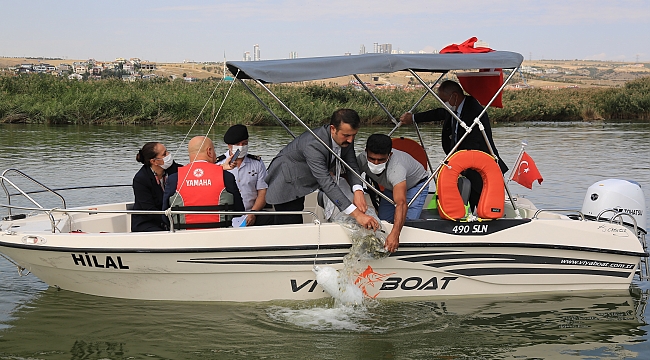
(200, 30)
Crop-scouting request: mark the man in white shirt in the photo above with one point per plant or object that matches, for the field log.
(401, 176)
(249, 172)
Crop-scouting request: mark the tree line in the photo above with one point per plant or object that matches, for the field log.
(34, 98)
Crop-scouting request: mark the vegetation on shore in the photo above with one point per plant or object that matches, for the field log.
(52, 100)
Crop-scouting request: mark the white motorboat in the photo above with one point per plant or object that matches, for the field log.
(91, 249)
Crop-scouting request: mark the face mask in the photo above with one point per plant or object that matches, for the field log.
(377, 169)
(453, 108)
(167, 161)
(243, 150)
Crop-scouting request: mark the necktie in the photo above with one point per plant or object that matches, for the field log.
(455, 130)
(338, 164)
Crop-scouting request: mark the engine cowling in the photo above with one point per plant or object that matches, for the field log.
(621, 196)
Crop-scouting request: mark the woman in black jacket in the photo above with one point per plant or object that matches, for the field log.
(149, 185)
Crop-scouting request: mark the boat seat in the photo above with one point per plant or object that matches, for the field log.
(412, 148)
(179, 219)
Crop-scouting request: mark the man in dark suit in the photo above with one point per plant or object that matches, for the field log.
(305, 165)
(468, 109)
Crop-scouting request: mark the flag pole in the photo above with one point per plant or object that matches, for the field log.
(521, 153)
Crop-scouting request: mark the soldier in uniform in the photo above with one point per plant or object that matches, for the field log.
(249, 171)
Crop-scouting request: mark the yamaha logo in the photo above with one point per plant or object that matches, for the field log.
(594, 197)
(198, 173)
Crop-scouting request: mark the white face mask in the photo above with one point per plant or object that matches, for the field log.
(377, 169)
(243, 150)
(453, 108)
(167, 161)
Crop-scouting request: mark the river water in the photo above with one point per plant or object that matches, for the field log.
(37, 322)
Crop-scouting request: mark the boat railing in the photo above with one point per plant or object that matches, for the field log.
(3, 179)
(167, 213)
(582, 216)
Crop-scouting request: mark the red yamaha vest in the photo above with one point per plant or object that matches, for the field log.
(200, 184)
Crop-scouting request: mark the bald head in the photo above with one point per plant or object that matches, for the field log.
(201, 148)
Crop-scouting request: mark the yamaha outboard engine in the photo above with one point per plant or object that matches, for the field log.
(618, 195)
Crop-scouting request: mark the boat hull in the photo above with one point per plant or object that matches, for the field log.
(435, 258)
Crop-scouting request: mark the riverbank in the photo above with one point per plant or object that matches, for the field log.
(48, 99)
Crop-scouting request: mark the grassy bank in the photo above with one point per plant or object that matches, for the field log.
(48, 99)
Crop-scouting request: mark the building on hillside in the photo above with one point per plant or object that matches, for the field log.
(128, 67)
(149, 66)
(96, 71)
(80, 69)
(120, 60)
(75, 77)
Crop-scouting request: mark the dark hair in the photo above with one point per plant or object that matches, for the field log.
(379, 144)
(450, 86)
(347, 116)
(147, 153)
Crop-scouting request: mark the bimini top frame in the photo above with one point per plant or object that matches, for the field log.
(293, 70)
(306, 69)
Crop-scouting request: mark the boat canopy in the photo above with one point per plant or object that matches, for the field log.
(292, 70)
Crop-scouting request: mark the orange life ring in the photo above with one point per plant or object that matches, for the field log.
(450, 202)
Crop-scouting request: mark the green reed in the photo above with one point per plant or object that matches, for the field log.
(48, 99)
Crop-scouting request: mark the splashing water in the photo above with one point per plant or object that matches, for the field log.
(320, 318)
(366, 245)
(339, 287)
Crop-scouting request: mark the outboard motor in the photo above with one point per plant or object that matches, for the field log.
(618, 195)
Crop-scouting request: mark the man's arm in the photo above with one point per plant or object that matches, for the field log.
(259, 204)
(399, 196)
(317, 162)
(438, 114)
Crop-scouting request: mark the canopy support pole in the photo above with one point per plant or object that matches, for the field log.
(285, 107)
(392, 118)
(266, 107)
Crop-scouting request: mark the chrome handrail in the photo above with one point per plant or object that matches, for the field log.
(168, 212)
(3, 178)
(582, 216)
(617, 214)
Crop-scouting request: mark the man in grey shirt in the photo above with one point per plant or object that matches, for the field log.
(401, 176)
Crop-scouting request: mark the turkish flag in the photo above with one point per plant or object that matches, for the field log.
(483, 85)
(525, 172)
